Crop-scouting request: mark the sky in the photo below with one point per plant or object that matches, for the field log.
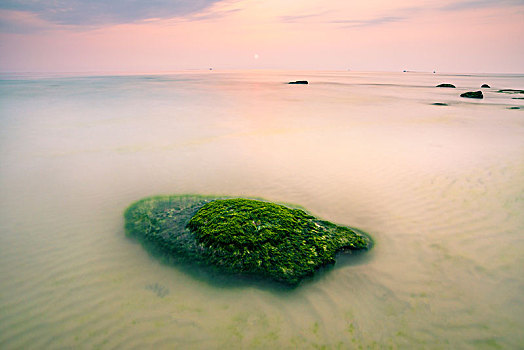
(456, 36)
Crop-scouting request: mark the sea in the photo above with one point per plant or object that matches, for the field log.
(440, 188)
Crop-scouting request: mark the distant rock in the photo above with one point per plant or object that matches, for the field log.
(299, 82)
(472, 94)
(446, 85)
(439, 104)
(514, 107)
(511, 91)
(485, 86)
(517, 98)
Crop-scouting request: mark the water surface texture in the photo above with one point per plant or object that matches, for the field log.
(440, 188)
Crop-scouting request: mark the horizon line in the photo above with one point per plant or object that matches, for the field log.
(211, 70)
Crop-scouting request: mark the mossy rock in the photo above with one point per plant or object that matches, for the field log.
(241, 236)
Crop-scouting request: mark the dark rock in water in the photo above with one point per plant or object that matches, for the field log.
(299, 82)
(485, 86)
(446, 85)
(511, 91)
(439, 104)
(240, 236)
(517, 98)
(514, 107)
(472, 94)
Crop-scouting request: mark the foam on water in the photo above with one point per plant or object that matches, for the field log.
(440, 188)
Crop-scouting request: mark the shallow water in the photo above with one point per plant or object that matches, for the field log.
(440, 188)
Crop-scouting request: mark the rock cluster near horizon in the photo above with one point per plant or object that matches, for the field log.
(480, 95)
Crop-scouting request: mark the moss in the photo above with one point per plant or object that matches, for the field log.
(241, 236)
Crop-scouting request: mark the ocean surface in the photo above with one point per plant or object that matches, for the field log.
(439, 188)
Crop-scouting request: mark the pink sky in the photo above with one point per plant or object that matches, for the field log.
(165, 35)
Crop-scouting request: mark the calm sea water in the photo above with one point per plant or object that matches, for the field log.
(440, 188)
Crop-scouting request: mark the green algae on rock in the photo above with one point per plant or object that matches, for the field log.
(241, 236)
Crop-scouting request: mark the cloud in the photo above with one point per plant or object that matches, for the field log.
(370, 22)
(476, 4)
(408, 13)
(20, 22)
(391, 16)
(301, 18)
(101, 12)
(204, 16)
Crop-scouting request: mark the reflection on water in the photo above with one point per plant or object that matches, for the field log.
(440, 188)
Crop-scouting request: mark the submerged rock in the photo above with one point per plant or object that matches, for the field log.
(439, 104)
(241, 236)
(299, 82)
(485, 86)
(446, 85)
(472, 94)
